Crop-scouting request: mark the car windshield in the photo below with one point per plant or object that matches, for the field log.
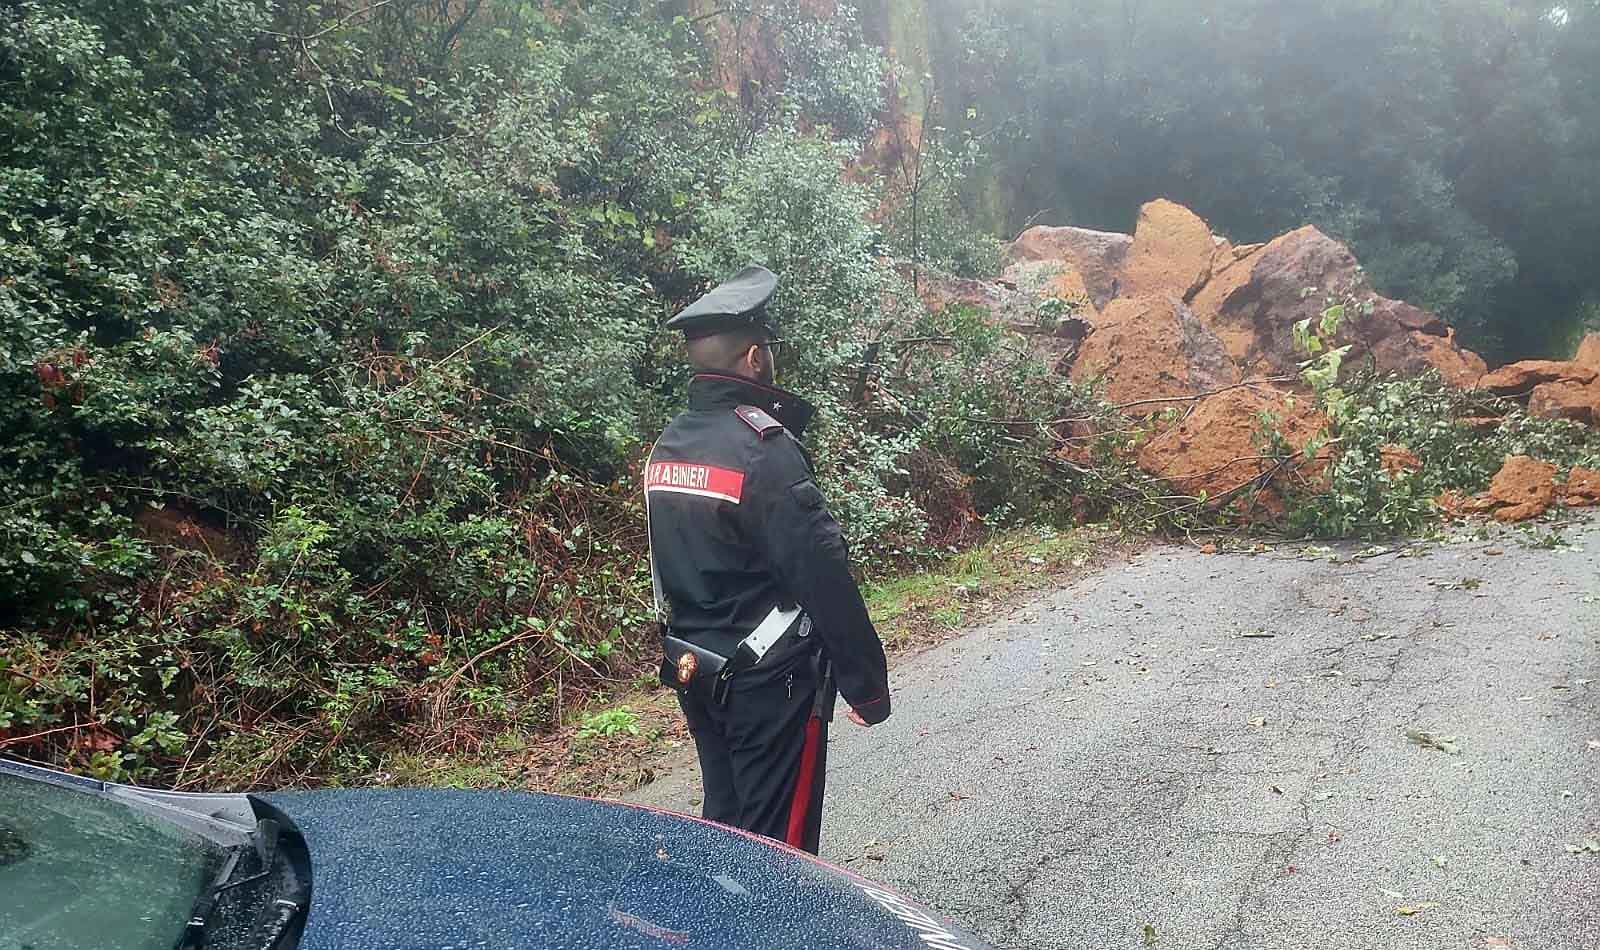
(83, 870)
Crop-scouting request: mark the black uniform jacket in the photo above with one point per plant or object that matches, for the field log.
(738, 526)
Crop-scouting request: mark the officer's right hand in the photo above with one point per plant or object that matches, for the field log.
(855, 717)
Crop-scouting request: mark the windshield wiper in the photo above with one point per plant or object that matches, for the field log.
(265, 838)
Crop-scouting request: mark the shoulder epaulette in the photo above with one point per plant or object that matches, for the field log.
(760, 420)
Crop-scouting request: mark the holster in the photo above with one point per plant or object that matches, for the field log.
(693, 669)
(705, 677)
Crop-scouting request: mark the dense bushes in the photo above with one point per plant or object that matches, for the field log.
(329, 346)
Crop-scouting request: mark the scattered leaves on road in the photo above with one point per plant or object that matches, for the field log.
(1428, 740)
(1150, 937)
(1411, 910)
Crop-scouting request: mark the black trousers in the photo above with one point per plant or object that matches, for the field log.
(752, 753)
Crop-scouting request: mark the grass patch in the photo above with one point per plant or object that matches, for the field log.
(408, 770)
(915, 610)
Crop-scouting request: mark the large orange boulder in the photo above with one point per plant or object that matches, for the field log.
(1215, 449)
(1171, 254)
(1519, 379)
(1566, 399)
(1523, 488)
(1254, 312)
(1096, 256)
(1152, 348)
(1254, 304)
(1409, 354)
(1589, 351)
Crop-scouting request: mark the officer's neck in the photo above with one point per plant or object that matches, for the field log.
(724, 390)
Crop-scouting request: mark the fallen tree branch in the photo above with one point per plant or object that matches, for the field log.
(329, 29)
(1195, 397)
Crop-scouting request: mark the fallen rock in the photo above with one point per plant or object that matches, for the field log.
(1253, 307)
(1389, 316)
(1518, 379)
(1097, 256)
(1455, 505)
(1523, 488)
(1004, 302)
(1589, 351)
(1583, 487)
(1566, 399)
(1398, 460)
(1481, 424)
(1171, 255)
(1451, 504)
(1214, 450)
(1148, 348)
(1254, 313)
(1409, 354)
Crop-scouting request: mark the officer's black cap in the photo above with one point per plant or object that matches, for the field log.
(738, 303)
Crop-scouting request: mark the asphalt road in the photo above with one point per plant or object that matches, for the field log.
(1131, 752)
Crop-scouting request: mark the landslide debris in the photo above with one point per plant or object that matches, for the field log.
(1195, 338)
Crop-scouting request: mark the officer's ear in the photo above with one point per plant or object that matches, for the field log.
(755, 359)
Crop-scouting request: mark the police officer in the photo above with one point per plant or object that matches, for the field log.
(762, 621)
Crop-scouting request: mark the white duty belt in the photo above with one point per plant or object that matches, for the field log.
(772, 627)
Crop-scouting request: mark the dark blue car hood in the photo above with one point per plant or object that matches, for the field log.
(393, 870)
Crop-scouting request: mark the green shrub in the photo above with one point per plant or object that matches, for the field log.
(1424, 415)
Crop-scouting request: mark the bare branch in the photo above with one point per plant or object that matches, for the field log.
(329, 29)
